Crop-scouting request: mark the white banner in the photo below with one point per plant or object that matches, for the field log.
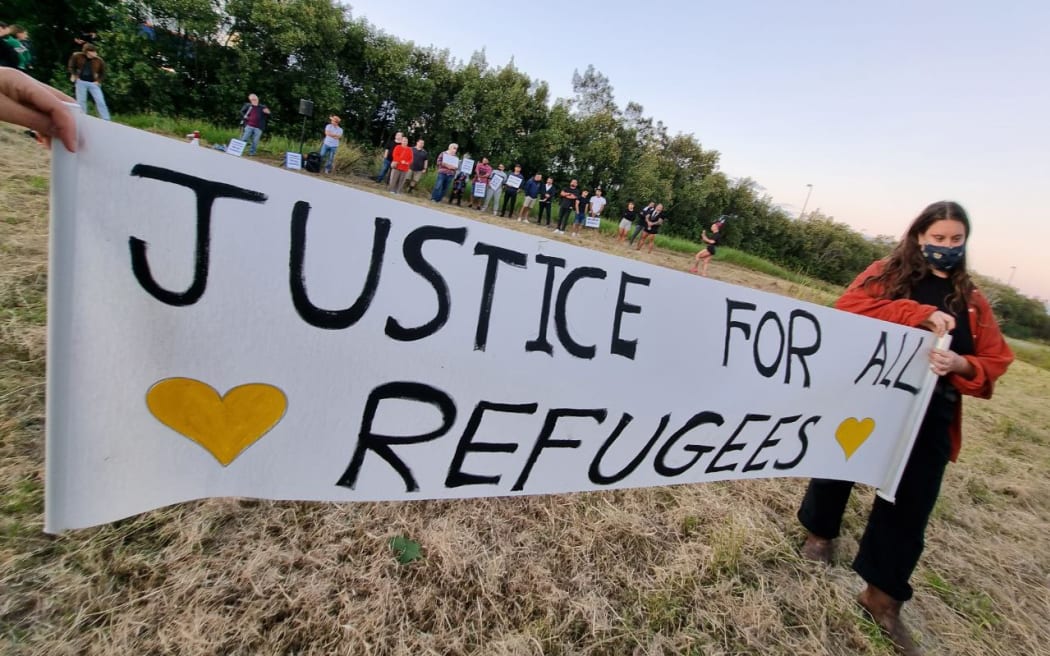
(479, 190)
(222, 328)
(592, 222)
(293, 161)
(466, 166)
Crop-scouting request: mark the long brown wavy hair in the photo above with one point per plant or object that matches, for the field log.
(906, 265)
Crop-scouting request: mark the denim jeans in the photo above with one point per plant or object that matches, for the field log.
(441, 186)
(383, 171)
(328, 157)
(251, 135)
(83, 88)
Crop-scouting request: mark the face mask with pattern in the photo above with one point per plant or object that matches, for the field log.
(944, 258)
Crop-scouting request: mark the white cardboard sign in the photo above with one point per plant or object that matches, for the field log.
(293, 161)
(236, 147)
(223, 328)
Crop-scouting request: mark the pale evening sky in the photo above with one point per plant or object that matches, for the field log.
(883, 107)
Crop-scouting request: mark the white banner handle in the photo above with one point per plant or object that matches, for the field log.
(61, 251)
(888, 490)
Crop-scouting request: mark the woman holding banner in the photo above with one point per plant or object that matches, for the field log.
(923, 283)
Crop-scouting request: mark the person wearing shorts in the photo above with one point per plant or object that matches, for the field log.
(626, 220)
(532, 190)
(639, 222)
(712, 245)
(652, 227)
(419, 166)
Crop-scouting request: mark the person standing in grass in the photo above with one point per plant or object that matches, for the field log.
(510, 192)
(482, 175)
(459, 185)
(923, 283)
(495, 189)
(547, 193)
(400, 164)
(652, 227)
(626, 219)
(712, 246)
(447, 165)
(332, 134)
(253, 118)
(419, 165)
(86, 71)
(567, 205)
(532, 190)
(639, 222)
(597, 203)
(388, 156)
(582, 203)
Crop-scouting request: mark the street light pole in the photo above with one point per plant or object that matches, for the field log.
(803, 212)
(1010, 282)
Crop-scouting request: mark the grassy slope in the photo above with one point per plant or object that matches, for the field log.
(703, 569)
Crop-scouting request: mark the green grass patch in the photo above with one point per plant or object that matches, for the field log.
(1033, 353)
(974, 606)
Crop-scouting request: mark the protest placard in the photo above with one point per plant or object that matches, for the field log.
(236, 147)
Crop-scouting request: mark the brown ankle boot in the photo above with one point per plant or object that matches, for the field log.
(817, 549)
(885, 611)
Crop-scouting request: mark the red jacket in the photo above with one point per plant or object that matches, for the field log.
(991, 353)
(401, 157)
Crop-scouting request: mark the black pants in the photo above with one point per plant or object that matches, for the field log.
(895, 535)
(563, 214)
(544, 208)
(509, 198)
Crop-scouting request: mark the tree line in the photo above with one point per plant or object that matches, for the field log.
(200, 59)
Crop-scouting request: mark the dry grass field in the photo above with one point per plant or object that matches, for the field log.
(704, 569)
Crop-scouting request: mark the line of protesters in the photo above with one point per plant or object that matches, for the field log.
(487, 186)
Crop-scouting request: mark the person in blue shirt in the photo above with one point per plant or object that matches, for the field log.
(532, 191)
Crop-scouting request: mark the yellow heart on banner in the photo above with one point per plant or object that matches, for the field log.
(852, 432)
(224, 425)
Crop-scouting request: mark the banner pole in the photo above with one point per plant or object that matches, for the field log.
(888, 489)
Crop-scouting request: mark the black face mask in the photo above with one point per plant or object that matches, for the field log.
(944, 258)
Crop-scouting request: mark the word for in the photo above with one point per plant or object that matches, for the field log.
(785, 345)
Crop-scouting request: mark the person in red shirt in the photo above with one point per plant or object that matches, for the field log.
(400, 162)
(482, 174)
(923, 283)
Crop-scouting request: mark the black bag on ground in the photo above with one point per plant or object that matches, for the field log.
(313, 162)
